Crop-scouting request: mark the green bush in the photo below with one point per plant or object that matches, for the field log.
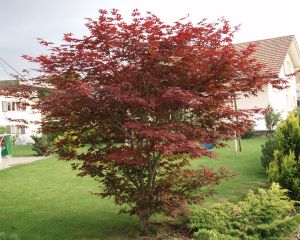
(287, 135)
(43, 145)
(286, 173)
(267, 150)
(268, 214)
(40, 145)
(272, 118)
(285, 167)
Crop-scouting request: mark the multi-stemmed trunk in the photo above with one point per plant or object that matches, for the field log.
(146, 188)
(143, 223)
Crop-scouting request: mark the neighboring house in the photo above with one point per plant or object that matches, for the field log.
(13, 108)
(281, 55)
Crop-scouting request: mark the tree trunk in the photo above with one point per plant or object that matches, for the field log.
(143, 223)
(237, 119)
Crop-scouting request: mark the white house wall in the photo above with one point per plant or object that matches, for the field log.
(28, 115)
(259, 101)
(282, 101)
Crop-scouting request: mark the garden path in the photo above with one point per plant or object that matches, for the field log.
(11, 162)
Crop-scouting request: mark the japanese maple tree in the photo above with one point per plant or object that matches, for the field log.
(142, 97)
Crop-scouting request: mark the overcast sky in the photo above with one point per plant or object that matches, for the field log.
(22, 21)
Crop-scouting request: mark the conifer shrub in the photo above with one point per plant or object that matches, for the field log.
(43, 145)
(40, 145)
(267, 150)
(267, 214)
(285, 166)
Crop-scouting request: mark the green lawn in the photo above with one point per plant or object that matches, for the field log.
(248, 165)
(45, 200)
(23, 151)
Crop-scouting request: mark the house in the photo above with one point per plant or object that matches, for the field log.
(281, 55)
(13, 108)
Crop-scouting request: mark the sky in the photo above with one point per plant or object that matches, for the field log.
(23, 21)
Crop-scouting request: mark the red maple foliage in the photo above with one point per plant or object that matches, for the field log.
(144, 96)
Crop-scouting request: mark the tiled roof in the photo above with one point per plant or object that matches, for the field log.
(270, 52)
(9, 83)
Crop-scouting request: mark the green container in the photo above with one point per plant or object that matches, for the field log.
(6, 149)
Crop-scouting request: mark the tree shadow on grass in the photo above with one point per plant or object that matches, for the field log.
(81, 227)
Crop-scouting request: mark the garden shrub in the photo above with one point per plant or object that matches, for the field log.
(40, 145)
(43, 145)
(286, 173)
(268, 214)
(285, 166)
(287, 135)
(267, 150)
(272, 118)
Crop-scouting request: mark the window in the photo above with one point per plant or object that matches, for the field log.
(14, 129)
(13, 106)
(8, 130)
(21, 129)
(8, 106)
(4, 106)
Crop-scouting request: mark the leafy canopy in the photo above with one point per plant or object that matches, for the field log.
(144, 95)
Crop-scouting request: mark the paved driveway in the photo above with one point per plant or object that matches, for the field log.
(7, 163)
